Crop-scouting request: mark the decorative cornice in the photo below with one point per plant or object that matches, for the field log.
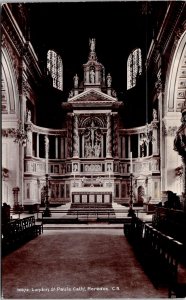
(11, 29)
(91, 96)
(96, 104)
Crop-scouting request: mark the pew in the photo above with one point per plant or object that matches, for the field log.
(177, 275)
(159, 254)
(17, 232)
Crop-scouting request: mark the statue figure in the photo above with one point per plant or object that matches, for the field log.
(92, 76)
(76, 79)
(75, 167)
(109, 168)
(97, 150)
(109, 80)
(114, 94)
(29, 116)
(71, 94)
(88, 150)
(92, 43)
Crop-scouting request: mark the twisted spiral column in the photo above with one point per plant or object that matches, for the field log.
(75, 137)
(115, 136)
(69, 136)
(108, 137)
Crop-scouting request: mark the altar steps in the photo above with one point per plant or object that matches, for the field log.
(80, 213)
(91, 206)
(79, 226)
(92, 212)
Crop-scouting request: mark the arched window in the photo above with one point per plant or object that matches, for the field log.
(55, 68)
(134, 67)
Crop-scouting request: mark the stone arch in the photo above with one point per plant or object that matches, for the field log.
(174, 98)
(177, 78)
(97, 120)
(9, 85)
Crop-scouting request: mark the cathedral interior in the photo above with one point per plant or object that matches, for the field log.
(96, 104)
(94, 108)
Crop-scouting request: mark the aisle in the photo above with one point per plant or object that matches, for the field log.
(63, 264)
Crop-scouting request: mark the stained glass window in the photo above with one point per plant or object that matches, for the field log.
(55, 68)
(134, 67)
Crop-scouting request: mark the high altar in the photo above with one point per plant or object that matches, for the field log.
(88, 161)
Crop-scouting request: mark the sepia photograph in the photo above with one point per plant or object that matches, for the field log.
(93, 144)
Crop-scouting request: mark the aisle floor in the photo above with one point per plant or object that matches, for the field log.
(76, 264)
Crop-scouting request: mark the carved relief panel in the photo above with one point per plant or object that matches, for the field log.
(92, 129)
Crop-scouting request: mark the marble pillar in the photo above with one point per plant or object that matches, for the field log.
(138, 144)
(62, 148)
(129, 146)
(37, 145)
(56, 147)
(123, 147)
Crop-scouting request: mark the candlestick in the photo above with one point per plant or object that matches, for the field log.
(46, 166)
(131, 163)
(46, 153)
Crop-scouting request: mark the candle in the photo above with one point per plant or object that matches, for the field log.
(131, 163)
